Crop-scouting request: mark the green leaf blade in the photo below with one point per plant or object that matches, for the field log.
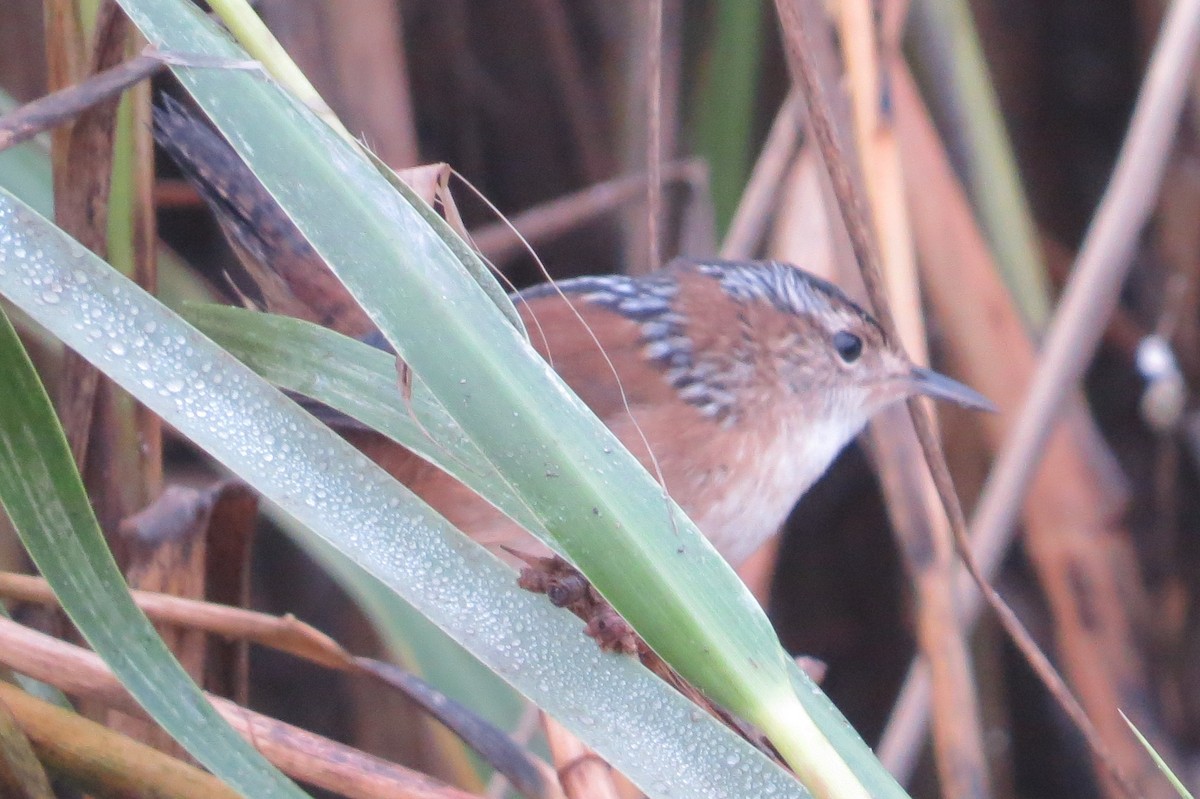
(602, 508)
(647, 559)
(43, 495)
(643, 727)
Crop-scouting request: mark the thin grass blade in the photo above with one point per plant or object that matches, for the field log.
(643, 727)
(43, 495)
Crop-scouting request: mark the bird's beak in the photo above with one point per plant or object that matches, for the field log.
(938, 386)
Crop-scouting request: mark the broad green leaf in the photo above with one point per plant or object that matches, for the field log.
(416, 643)
(631, 718)
(359, 381)
(591, 495)
(25, 170)
(44, 497)
(465, 253)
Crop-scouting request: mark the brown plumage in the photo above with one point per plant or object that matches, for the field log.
(736, 383)
(725, 379)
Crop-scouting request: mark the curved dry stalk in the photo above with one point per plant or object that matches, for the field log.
(21, 773)
(283, 633)
(102, 761)
(298, 753)
(583, 774)
(529, 775)
(924, 538)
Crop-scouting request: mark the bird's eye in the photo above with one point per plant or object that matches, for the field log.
(848, 345)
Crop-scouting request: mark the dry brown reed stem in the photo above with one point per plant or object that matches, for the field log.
(101, 761)
(581, 772)
(903, 739)
(530, 775)
(1072, 516)
(82, 164)
(633, 51)
(65, 59)
(893, 19)
(143, 450)
(285, 634)
(21, 773)
(868, 62)
(799, 17)
(298, 753)
(1105, 257)
(924, 541)
(760, 197)
(924, 538)
(654, 154)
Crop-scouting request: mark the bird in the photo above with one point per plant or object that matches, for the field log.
(735, 383)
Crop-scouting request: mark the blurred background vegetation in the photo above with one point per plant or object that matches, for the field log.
(543, 105)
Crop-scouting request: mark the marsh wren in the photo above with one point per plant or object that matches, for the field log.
(734, 382)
